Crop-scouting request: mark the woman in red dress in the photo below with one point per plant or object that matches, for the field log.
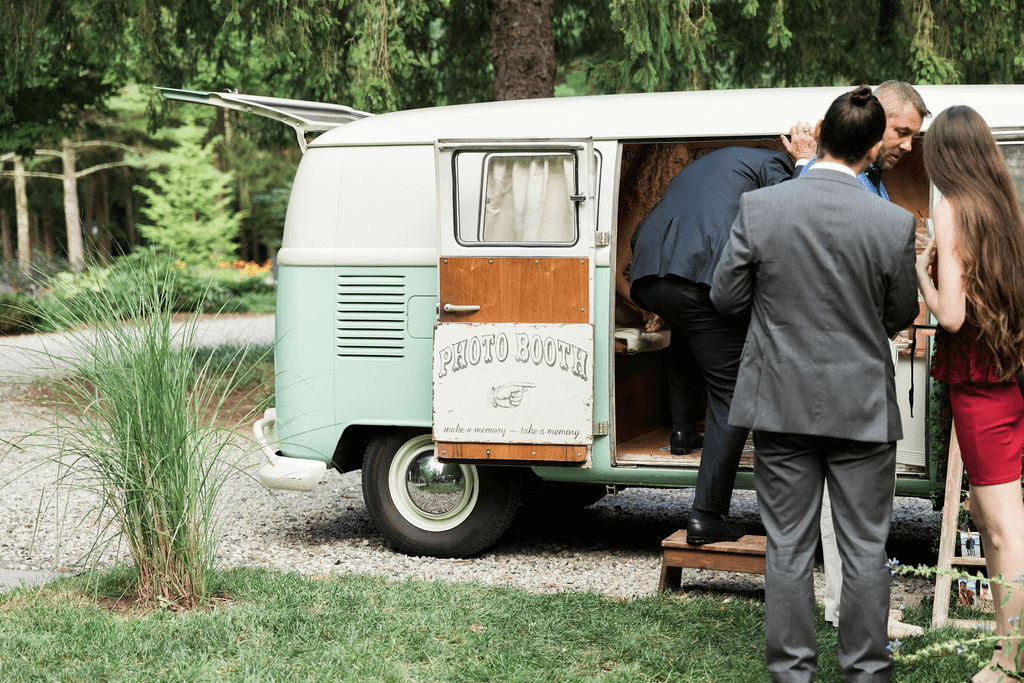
(972, 279)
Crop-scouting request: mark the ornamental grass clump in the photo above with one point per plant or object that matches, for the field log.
(136, 425)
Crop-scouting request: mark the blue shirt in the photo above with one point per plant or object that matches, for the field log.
(862, 178)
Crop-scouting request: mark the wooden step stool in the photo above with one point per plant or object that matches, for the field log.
(743, 555)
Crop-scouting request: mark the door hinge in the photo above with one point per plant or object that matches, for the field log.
(602, 239)
(578, 197)
(601, 429)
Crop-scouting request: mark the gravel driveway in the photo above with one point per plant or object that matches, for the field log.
(612, 547)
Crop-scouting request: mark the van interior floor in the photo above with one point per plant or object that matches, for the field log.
(651, 448)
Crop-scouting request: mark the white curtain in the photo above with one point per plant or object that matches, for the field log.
(528, 200)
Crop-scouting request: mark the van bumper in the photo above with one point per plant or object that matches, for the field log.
(291, 474)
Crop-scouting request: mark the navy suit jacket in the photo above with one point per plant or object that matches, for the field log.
(685, 233)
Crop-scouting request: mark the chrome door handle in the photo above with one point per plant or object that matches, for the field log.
(455, 308)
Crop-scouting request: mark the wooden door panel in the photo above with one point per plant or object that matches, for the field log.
(521, 290)
(528, 291)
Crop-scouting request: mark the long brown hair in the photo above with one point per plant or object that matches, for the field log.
(964, 162)
(654, 172)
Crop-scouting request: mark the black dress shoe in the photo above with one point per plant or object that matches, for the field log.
(706, 528)
(683, 443)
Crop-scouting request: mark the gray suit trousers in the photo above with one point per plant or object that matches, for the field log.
(789, 473)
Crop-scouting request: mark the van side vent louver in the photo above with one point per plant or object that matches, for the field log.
(371, 316)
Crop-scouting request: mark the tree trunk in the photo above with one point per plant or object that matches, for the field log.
(228, 134)
(129, 208)
(246, 237)
(106, 253)
(35, 236)
(88, 198)
(5, 235)
(21, 205)
(76, 258)
(523, 45)
(46, 230)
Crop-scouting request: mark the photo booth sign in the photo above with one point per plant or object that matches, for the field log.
(513, 383)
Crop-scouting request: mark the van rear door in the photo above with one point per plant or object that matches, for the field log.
(514, 343)
(304, 117)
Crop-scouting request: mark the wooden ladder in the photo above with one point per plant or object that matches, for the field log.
(743, 555)
(947, 544)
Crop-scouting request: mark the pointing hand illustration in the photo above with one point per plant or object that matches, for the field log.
(510, 394)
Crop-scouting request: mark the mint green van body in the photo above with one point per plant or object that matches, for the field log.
(382, 205)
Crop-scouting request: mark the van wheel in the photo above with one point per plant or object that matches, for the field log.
(426, 507)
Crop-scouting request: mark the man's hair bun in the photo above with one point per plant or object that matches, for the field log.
(861, 96)
(852, 125)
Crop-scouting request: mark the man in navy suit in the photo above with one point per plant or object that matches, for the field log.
(675, 250)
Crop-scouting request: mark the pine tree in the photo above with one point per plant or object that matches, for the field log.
(188, 207)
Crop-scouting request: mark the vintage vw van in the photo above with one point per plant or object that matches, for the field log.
(446, 306)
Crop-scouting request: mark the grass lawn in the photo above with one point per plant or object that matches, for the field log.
(267, 626)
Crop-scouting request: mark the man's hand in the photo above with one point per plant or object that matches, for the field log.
(802, 143)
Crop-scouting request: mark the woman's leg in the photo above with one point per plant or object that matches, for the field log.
(998, 512)
(989, 419)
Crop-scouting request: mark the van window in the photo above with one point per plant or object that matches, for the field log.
(1013, 152)
(516, 198)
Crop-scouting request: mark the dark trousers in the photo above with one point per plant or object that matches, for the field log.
(702, 335)
(687, 395)
(789, 473)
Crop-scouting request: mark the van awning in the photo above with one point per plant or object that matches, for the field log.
(304, 117)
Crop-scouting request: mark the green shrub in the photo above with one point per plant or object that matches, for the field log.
(243, 285)
(19, 313)
(198, 294)
(237, 366)
(112, 289)
(253, 302)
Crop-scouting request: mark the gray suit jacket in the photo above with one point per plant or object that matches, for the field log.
(827, 269)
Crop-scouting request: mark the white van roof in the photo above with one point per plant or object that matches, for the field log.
(702, 114)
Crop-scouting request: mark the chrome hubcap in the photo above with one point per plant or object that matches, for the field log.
(435, 488)
(431, 495)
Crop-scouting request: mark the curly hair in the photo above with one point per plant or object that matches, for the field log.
(654, 172)
(965, 164)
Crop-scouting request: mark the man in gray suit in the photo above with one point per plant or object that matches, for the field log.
(827, 271)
